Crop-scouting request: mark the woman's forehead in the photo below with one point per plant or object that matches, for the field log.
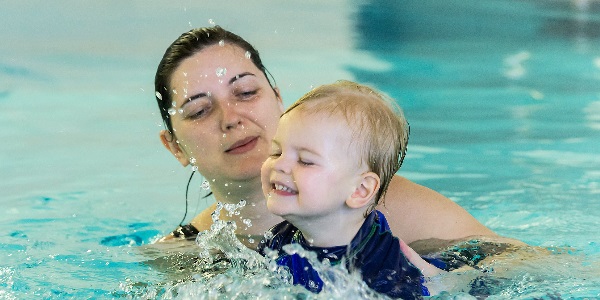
(228, 55)
(213, 65)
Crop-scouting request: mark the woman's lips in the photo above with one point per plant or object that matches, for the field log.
(243, 146)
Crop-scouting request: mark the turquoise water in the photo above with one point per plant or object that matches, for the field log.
(502, 97)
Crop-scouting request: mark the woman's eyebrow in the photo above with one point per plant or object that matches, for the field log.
(193, 97)
(200, 95)
(238, 76)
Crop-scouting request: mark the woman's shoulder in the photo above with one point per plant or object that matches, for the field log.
(415, 212)
(204, 220)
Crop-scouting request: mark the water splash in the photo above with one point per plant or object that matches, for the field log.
(226, 269)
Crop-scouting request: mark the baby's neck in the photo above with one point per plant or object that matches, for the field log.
(329, 231)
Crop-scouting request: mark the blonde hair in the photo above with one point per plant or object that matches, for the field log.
(378, 126)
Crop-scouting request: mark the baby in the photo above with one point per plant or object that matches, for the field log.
(332, 158)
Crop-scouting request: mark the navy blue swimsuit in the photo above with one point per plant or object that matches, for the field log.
(374, 251)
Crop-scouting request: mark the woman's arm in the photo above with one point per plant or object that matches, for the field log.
(415, 212)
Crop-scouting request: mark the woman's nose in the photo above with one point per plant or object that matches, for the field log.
(230, 118)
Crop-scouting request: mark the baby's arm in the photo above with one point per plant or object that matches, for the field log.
(426, 268)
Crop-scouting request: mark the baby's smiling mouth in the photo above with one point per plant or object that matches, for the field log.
(283, 189)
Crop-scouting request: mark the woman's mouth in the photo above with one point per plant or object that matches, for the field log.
(243, 146)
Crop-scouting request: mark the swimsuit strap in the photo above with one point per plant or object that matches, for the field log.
(188, 232)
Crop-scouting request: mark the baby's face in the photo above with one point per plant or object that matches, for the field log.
(312, 167)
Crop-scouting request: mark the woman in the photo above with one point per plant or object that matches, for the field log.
(221, 111)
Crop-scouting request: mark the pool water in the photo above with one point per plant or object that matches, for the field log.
(502, 98)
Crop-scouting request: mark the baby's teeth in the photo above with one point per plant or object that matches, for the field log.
(282, 188)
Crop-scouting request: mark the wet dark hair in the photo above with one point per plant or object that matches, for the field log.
(184, 47)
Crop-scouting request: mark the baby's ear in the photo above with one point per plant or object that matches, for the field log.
(170, 142)
(365, 191)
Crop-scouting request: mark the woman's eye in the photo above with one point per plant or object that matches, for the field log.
(198, 114)
(246, 95)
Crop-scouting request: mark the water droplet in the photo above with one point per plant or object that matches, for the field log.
(158, 95)
(248, 54)
(192, 160)
(224, 135)
(175, 91)
(184, 74)
(205, 185)
(221, 43)
(173, 103)
(180, 111)
(221, 72)
(195, 168)
(172, 111)
(268, 235)
(211, 22)
(208, 94)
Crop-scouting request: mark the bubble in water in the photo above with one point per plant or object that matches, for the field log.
(248, 54)
(247, 222)
(180, 111)
(192, 160)
(205, 185)
(214, 216)
(172, 111)
(211, 22)
(195, 168)
(173, 103)
(221, 72)
(221, 43)
(158, 95)
(268, 235)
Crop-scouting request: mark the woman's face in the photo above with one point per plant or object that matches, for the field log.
(224, 114)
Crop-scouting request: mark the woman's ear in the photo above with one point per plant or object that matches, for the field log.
(170, 142)
(365, 191)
